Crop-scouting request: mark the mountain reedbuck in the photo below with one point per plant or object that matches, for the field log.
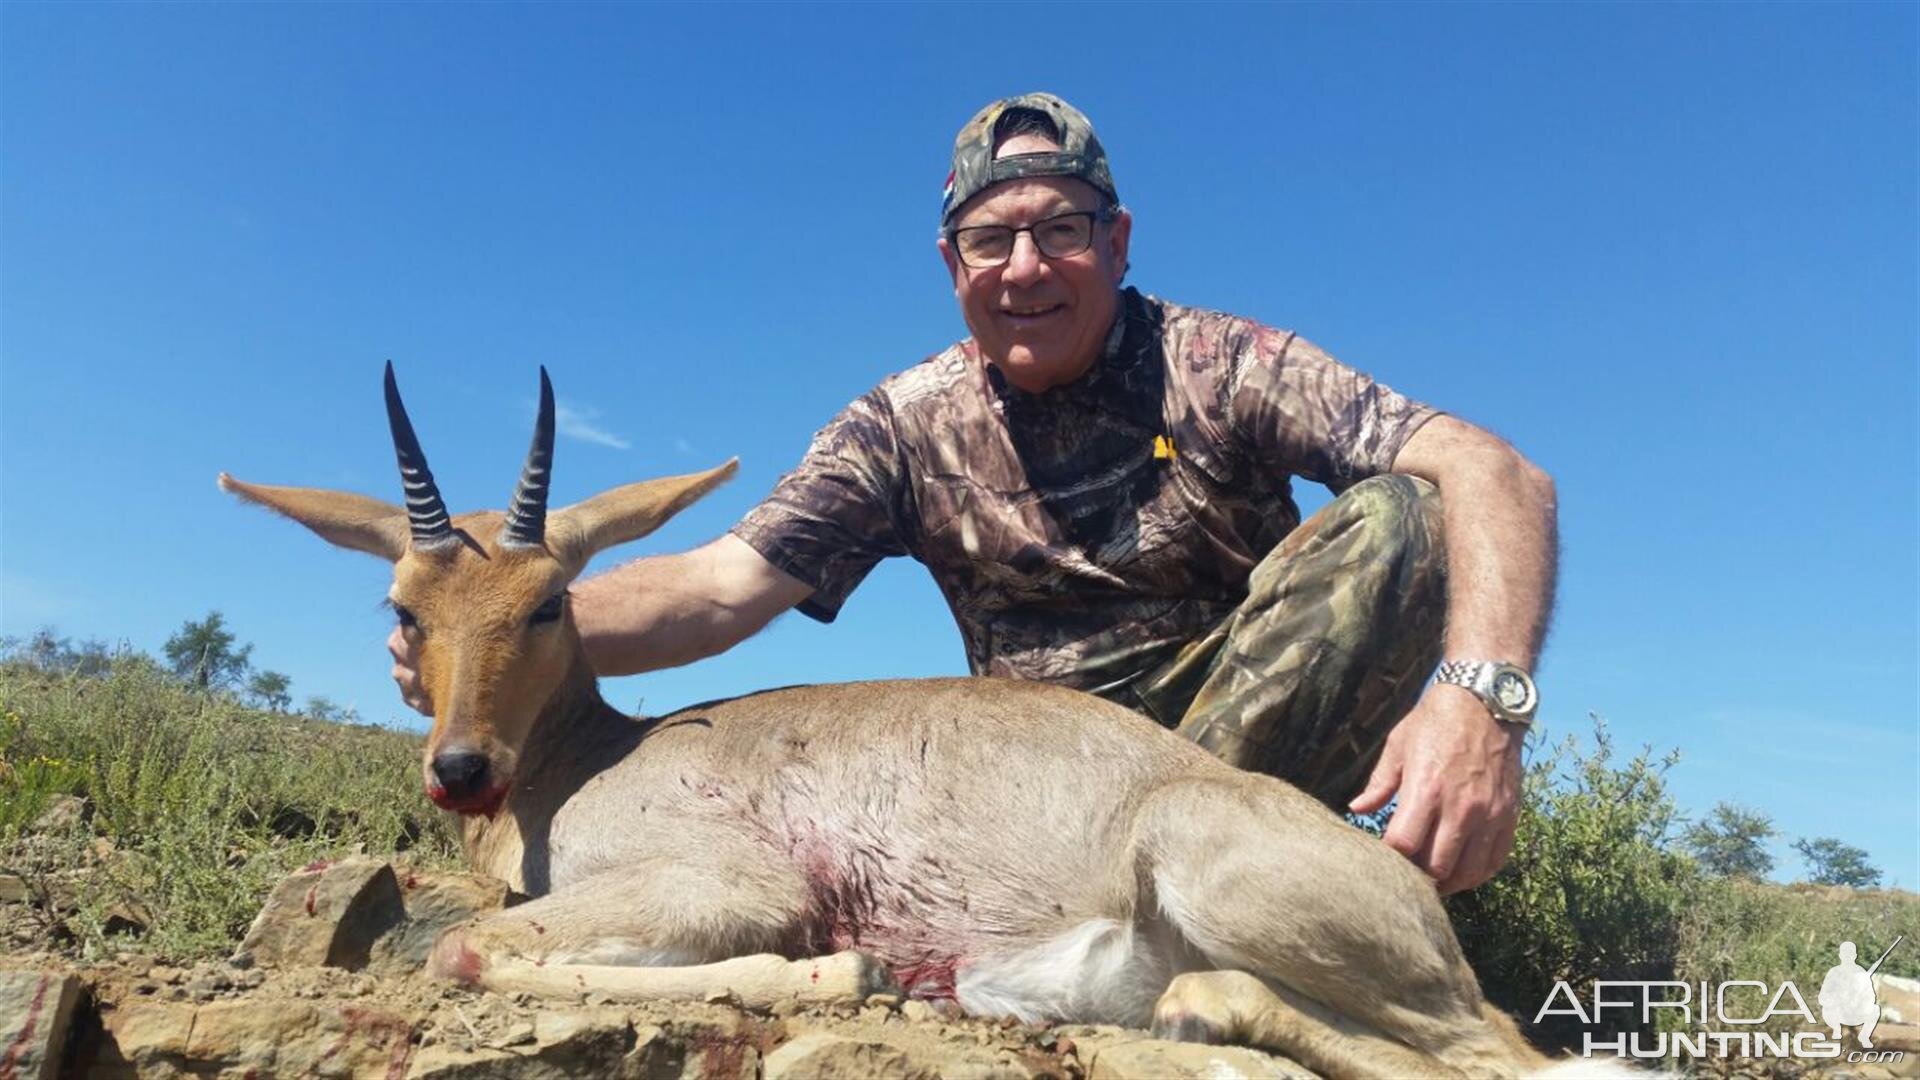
(1016, 849)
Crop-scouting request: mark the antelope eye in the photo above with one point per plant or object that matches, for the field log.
(549, 611)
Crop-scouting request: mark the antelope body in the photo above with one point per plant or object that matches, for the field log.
(1016, 849)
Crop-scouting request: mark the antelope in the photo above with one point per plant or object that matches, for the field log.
(1010, 849)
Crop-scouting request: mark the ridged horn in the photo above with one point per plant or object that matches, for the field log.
(426, 513)
(527, 514)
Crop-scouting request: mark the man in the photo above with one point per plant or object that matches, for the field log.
(1100, 483)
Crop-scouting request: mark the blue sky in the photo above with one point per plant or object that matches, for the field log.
(1669, 251)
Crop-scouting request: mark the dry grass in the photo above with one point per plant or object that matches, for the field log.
(194, 804)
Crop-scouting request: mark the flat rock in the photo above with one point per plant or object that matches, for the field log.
(1157, 1059)
(330, 913)
(36, 1010)
(593, 1042)
(1888, 1036)
(293, 1038)
(1899, 999)
(821, 1056)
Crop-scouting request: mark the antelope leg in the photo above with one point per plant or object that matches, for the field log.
(756, 982)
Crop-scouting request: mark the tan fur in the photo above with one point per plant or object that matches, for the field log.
(987, 840)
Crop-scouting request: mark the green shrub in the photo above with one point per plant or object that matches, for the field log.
(28, 786)
(1593, 889)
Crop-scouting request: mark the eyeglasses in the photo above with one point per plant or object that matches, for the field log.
(1060, 236)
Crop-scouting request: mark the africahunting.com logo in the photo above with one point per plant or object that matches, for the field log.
(1721, 1020)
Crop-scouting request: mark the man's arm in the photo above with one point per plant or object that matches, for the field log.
(658, 612)
(1456, 769)
(670, 610)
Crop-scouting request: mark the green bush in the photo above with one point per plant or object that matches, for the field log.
(29, 785)
(1593, 889)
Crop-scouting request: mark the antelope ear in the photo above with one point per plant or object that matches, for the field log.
(352, 521)
(626, 513)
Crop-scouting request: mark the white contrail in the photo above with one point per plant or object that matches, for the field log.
(579, 424)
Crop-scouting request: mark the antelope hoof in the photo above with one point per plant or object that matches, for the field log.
(844, 977)
(1207, 1007)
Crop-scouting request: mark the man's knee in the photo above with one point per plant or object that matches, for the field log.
(1390, 529)
(1398, 508)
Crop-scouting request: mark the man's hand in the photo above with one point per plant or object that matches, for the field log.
(1457, 771)
(406, 672)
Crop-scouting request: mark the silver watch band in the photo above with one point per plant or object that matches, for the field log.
(1490, 681)
(1460, 672)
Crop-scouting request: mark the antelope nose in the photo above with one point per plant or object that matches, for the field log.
(462, 773)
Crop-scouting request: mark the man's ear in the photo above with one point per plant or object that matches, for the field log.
(352, 521)
(590, 526)
(1119, 236)
(954, 268)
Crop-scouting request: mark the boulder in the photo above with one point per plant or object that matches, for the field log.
(328, 913)
(433, 902)
(36, 1010)
(136, 1040)
(129, 916)
(62, 812)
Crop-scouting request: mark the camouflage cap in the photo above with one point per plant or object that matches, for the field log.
(975, 169)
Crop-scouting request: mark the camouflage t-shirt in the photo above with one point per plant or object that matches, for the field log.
(1084, 534)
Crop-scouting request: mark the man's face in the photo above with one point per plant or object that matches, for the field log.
(1040, 320)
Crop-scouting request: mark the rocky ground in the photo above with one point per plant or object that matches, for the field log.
(215, 1020)
(328, 983)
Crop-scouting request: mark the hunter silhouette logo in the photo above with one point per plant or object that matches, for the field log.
(1847, 997)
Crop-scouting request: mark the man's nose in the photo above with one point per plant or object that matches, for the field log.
(1023, 265)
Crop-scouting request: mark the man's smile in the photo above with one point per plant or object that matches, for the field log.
(1029, 314)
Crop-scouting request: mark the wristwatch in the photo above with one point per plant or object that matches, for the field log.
(1508, 691)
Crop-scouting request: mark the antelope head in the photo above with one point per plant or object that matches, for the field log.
(483, 596)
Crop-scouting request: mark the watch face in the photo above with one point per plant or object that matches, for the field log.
(1510, 690)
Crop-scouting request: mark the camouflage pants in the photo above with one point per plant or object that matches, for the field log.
(1341, 627)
